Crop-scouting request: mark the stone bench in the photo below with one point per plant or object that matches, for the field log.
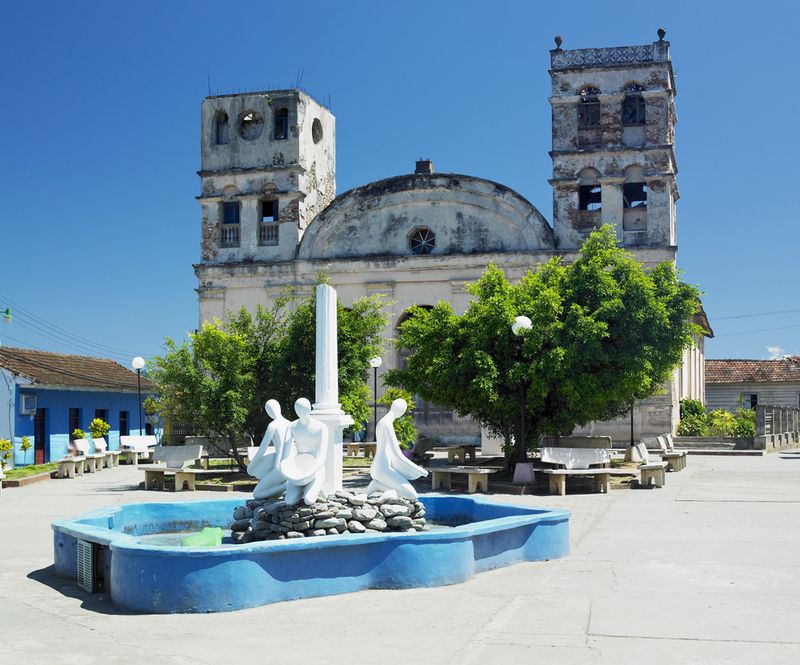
(370, 449)
(352, 449)
(93, 461)
(460, 453)
(174, 460)
(676, 459)
(69, 467)
(653, 468)
(477, 478)
(579, 462)
(137, 447)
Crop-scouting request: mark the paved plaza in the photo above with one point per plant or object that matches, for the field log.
(705, 570)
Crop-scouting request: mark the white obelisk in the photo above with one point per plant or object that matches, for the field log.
(326, 406)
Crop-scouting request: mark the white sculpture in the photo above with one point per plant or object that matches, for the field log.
(391, 470)
(305, 450)
(264, 466)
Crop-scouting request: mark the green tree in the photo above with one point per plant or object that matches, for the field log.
(605, 333)
(220, 378)
(98, 428)
(25, 446)
(6, 451)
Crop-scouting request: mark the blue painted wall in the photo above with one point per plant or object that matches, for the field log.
(57, 404)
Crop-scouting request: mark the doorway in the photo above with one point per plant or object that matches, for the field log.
(39, 437)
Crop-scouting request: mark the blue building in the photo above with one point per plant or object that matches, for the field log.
(46, 396)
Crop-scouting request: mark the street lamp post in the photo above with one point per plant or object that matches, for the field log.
(521, 325)
(138, 363)
(375, 363)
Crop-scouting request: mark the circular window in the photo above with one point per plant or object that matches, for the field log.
(316, 130)
(251, 124)
(422, 241)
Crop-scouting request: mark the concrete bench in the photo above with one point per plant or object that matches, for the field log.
(477, 478)
(460, 453)
(676, 459)
(93, 461)
(653, 468)
(173, 460)
(370, 449)
(111, 456)
(137, 447)
(69, 467)
(578, 462)
(352, 449)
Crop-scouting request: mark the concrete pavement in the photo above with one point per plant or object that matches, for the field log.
(705, 570)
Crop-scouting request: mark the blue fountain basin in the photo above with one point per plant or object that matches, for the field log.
(141, 576)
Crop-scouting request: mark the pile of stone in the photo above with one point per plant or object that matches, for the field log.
(342, 512)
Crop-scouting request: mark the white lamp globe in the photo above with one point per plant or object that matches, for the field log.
(521, 324)
(375, 362)
(137, 363)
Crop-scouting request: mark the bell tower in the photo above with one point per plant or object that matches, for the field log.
(613, 151)
(268, 166)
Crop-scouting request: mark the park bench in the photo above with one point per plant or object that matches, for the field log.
(578, 462)
(676, 459)
(71, 466)
(460, 453)
(93, 461)
(477, 478)
(174, 460)
(111, 456)
(653, 468)
(137, 447)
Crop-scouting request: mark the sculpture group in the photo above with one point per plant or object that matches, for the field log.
(292, 455)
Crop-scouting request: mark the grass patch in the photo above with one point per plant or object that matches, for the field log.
(30, 470)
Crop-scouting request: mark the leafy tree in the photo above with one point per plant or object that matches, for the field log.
(6, 450)
(98, 428)
(605, 333)
(221, 377)
(25, 446)
(403, 426)
(692, 407)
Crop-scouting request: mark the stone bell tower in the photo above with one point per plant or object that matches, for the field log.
(613, 153)
(268, 166)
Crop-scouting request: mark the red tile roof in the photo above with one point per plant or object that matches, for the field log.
(753, 371)
(76, 372)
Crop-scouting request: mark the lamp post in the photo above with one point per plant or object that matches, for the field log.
(375, 363)
(138, 363)
(521, 325)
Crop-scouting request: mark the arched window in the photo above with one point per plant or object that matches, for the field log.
(589, 108)
(590, 200)
(221, 131)
(633, 106)
(281, 124)
(634, 203)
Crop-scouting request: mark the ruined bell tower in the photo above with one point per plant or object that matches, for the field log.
(613, 153)
(268, 166)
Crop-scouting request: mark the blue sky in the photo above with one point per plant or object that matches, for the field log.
(101, 104)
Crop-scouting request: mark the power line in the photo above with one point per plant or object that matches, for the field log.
(749, 316)
(751, 332)
(79, 340)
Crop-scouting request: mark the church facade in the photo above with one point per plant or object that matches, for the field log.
(271, 218)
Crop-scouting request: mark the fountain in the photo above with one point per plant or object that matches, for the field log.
(384, 538)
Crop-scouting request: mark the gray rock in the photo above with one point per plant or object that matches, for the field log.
(394, 510)
(354, 526)
(259, 525)
(333, 532)
(377, 524)
(305, 512)
(327, 523)
(358, 499)
(345, 513)
(240, 525)
(344, 494)
(248, 537)
(365, 513)
(319, 532)
(341, 527)
(418, 524)
(294, 534)
(287, 524)
(400, 522)
(372, 531)
(418, 514)
(303, 525)
(325, 514)
(242, 512)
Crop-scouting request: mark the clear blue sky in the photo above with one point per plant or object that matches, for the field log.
(100, 115)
